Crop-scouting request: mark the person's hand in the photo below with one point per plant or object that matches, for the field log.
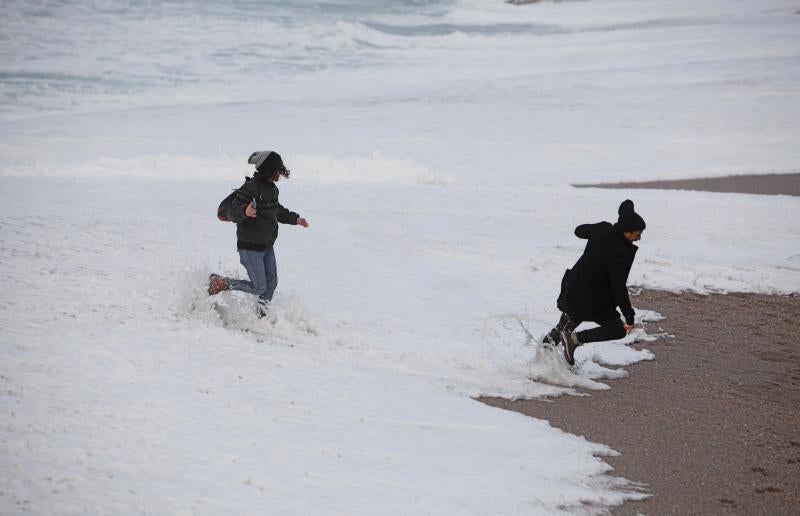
(628, 328)
(250, 211)
(302, 222)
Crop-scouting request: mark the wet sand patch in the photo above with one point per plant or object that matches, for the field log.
(765, 184)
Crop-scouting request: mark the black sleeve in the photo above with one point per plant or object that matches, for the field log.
(587, 231)
(285, 216)
(618, 277)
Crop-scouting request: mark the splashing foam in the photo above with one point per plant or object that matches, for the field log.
(548, 366)
(288, 319)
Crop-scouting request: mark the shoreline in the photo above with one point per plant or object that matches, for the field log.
(766, 184)
(711, 424)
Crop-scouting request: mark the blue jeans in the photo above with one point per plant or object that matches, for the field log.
(263, 273)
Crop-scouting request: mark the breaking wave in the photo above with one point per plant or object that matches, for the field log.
(313, 169)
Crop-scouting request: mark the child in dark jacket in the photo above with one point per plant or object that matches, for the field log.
(596, 285)
(256, 211)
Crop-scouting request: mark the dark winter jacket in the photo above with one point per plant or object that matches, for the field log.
(260, 232)
(596, 285)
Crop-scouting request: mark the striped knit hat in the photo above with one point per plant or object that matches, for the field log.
(268, 162)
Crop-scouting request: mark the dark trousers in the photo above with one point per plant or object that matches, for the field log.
(609, 329)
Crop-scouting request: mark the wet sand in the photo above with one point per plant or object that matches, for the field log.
(712, 425)
(767, 184)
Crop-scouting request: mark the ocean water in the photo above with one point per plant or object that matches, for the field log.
(549, 92)
(78, 55)
(90, 55)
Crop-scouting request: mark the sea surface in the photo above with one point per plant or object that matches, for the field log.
(549, 92)
(80, 55)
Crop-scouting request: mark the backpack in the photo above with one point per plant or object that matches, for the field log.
(224, 206)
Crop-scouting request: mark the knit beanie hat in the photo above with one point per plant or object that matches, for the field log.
(268, 162)
(629, 220)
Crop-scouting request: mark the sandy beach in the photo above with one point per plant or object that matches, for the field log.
(711, 425)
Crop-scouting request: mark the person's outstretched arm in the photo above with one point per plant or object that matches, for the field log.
(286, 216)
(587, 231)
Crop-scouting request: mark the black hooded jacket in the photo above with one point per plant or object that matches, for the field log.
(260, 232)
(596, 284)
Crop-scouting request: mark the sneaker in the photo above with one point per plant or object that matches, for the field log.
(570, 340)
(262, 308)
(553, 338)
(217, 284)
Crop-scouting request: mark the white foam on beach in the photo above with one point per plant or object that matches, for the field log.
(393, 309)
(431, 153)
(159, 397)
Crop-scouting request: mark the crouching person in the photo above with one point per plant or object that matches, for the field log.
(596, 285)
(255, 209)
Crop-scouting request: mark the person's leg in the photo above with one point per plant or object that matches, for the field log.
(565, 323)
(271, 274)
(253, 262)
(609, 329)
(568, 338)
(270, 281)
